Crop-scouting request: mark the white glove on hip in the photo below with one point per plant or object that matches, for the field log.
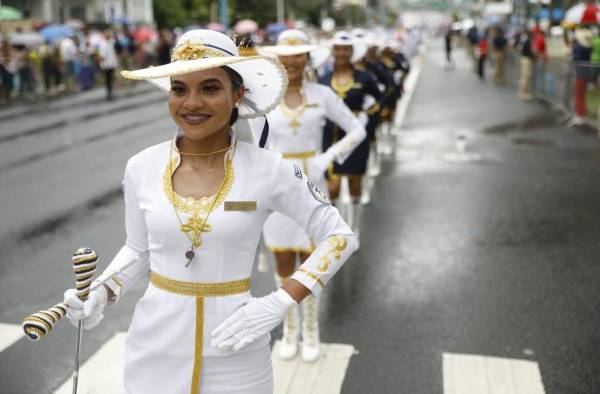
(253, 320)
(317, 166)
(89, 311)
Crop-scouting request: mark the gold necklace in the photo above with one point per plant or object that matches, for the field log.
(200, 210)
(342, 90)
(206, 154)
(293, 113)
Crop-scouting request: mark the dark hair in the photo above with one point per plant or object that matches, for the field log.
(236, 82)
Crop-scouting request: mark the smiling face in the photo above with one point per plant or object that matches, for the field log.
(294, 65)
(201, 102)
(342, 54)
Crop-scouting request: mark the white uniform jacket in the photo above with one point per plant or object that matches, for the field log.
(168, 333)
(298, 135)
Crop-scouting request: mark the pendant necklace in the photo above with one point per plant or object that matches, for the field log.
(293, 113)
(197, 224)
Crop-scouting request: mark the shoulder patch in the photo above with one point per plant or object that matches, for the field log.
(297, 172)
(317, 194)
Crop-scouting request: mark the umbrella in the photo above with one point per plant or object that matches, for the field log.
(245, 26)
(26, 39)
(275, 28)
(75, 24)
(122, 20)
(216, 27)
(56, 32)
(192, 27)
(144, 34)
(10, 14)
(582, 14)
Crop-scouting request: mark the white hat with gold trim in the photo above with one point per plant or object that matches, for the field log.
(265, 79)
(295, 42)
(342, 37)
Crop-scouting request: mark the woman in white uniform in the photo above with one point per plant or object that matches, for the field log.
(195, 207)
(297, 125)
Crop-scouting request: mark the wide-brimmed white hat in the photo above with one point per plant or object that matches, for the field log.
(295, 42)
(265, 79)
(342, 37)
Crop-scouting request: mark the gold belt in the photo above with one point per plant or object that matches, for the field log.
(199, 290)
(301, 155)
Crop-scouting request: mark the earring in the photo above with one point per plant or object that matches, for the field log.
(237, 104)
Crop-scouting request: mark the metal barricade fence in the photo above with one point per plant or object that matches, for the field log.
(571, 87)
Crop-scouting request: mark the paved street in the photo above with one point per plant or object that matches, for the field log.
(482, 238)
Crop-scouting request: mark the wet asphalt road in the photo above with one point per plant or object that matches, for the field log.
(482, 235)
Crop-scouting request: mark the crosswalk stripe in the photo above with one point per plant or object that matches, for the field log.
(103, 372)
(322, 377)
(9, 334)
(474, 374)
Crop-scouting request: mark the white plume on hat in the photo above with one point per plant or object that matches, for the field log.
(265, 79)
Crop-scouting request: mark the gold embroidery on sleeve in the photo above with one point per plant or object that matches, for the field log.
(311, 275)
(337, 244)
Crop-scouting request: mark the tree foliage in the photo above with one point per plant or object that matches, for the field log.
(172, 13)
(169, 13)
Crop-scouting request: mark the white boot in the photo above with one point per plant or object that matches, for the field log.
(367, 184)
(356, 219)
(373, 165)
(288, 347)
(311, 341)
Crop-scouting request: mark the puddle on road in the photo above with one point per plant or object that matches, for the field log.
(533, 142)
(528, 124)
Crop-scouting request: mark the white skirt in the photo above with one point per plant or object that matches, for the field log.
(249, 372)
(282, 234)
(246, 372)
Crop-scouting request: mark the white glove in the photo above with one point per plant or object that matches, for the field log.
(363, 118)
(89, 311)
(317, 166)
(253, 320)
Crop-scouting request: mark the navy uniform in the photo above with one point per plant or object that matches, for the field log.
(354, 95)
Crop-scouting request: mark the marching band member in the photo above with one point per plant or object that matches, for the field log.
(194, 210)
(354, 87)
(297, 125)
(385, 81)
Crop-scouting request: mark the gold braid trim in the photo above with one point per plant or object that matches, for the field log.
(200, 289)
(311, 275)
(192, 50)
(203, 205)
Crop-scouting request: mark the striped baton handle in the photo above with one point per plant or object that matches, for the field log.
(39, 324)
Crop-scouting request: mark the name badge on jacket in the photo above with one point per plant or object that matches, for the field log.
(241, 206)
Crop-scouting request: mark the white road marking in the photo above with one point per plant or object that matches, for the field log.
(409, 89)
(103, 372)
(322, 377)
(473, 374)
(9, 334)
